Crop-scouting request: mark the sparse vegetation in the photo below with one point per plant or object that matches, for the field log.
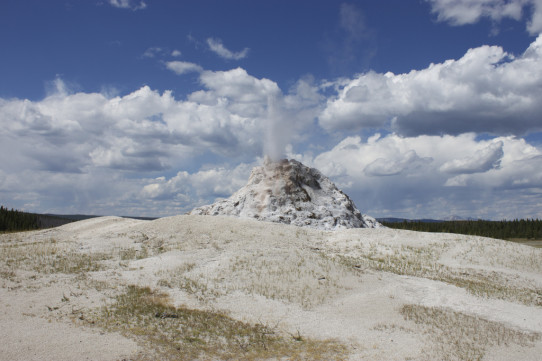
(180, 333)
(458, 336)
(178, 279)
(307, 279)
(424, 262)
(49, 257)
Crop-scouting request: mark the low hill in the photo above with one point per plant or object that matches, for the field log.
(223, 288)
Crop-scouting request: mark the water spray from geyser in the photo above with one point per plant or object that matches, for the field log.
(278, 131)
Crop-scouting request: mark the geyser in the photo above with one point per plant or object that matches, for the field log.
(287, 191)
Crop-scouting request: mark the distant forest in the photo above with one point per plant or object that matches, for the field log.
(15, 221)
(518, 228)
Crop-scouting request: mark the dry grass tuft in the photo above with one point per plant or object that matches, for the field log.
(49, 257)
(424, 263)
(180, 333)
(457, 336)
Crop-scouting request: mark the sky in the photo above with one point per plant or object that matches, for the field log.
(414, 108)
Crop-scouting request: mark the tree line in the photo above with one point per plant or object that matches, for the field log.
(518, 228)
(14, 220)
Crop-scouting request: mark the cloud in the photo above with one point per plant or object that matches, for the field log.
(352, 41)
(471, 11)
(534, 26)
(87, 127)
(183, 67)
(200, 187)
(487, 90)
(482, 161)
(238, 84)
(92, 138)
(437, 175)
(216, 46)
(128, 4)
(153, 52)
(129, 154)
(159, 52)
(283, 117)
(386, 167)
(140, 153)
(352, 21)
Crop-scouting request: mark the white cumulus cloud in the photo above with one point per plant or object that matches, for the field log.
(385, 167)
(437, 175)
(481, 161)
(487, 90)
(205, 185)
(140, 153)
(461, 12)
(94, 141)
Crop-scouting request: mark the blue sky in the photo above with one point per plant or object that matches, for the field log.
(425, 108)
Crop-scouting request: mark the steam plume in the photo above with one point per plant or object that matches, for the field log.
(278, 130)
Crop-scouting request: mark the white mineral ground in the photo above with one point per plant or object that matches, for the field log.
(349, 285)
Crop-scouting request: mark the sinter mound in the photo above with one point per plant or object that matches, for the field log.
(289, 192)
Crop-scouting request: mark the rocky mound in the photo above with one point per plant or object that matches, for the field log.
(289, 192)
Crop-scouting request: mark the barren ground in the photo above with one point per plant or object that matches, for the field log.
(201, 287)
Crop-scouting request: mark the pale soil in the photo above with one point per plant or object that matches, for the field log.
(29, 333)
(471, 297)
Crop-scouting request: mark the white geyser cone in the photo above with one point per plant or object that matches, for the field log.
(289, 192)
